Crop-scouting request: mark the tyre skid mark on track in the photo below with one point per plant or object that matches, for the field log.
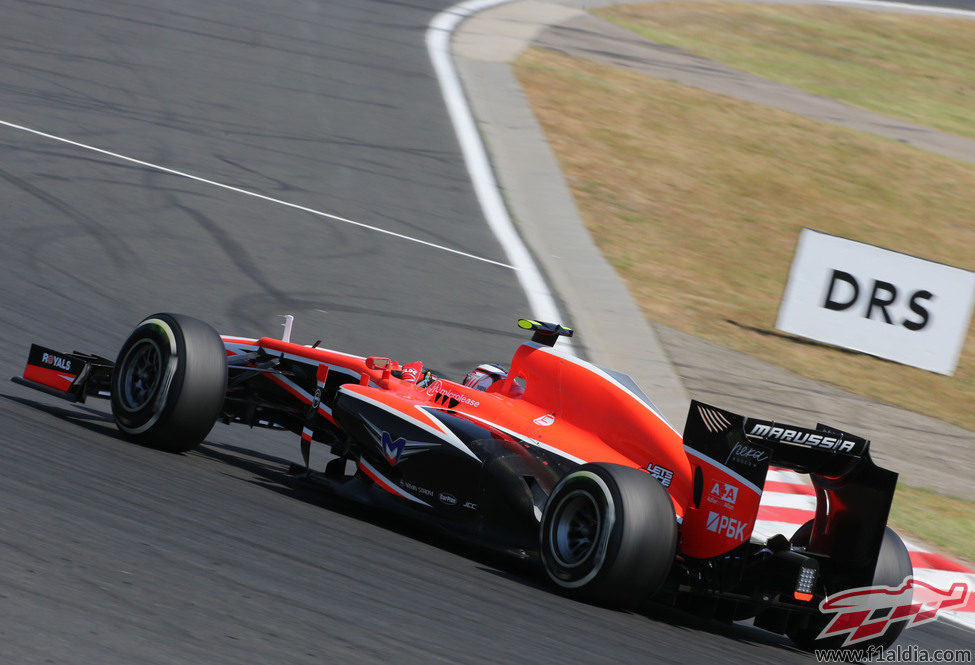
(256, 195)
(115, 248)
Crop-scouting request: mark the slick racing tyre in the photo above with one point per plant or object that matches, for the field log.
(169, 381)
(608, 535)
(893, 565)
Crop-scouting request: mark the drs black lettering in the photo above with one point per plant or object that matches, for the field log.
(880, 299)
(884, 294)
(922, 313)
(840, 277)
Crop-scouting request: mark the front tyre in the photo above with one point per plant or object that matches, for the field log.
(608, 535)
(169, 381)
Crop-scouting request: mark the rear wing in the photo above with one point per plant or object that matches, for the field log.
(730, 456)
(71, 376)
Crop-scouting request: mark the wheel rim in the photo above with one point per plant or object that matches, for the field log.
(576, 527)
(141, 375)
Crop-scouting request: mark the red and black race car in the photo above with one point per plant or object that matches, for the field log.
(555, 458)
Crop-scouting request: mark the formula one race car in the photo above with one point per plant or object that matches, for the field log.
(557, 458)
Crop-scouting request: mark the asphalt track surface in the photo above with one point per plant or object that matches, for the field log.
(113, 553)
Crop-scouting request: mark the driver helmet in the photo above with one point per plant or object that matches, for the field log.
(483, 376)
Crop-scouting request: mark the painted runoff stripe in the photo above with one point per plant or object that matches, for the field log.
(789, 501)
(541, 301)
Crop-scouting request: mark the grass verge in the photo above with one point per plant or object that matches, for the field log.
(945, 522)
(918, 69)
(697, 200)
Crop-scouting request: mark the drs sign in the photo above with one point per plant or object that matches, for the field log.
(880, 302)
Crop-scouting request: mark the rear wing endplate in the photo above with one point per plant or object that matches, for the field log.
(730, 455)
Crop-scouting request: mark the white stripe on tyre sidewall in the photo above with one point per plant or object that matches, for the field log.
(604, 535)
(167, 379)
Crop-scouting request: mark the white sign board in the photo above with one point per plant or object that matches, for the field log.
(877, 301)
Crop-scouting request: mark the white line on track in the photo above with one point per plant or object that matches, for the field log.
(441, 29)
(263, 197)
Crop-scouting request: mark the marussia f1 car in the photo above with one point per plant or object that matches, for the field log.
(562, 460)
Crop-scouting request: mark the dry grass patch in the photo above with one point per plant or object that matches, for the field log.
(698, 200)
(919, 69)
(945, 522)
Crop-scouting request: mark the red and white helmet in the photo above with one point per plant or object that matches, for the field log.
(483, 376)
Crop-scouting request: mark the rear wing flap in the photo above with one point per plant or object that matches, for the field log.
(730, 456)
(71, 376)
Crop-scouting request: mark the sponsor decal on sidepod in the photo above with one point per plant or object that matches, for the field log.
(729, 527)
(438, 388)
(661, 473)
(724, 493)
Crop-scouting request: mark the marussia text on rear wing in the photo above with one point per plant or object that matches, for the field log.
(822, 437)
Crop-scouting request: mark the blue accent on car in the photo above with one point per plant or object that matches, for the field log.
(392, 449)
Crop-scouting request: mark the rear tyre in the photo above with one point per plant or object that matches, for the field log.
(169, 381)
(608, 535)
(893, 565)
